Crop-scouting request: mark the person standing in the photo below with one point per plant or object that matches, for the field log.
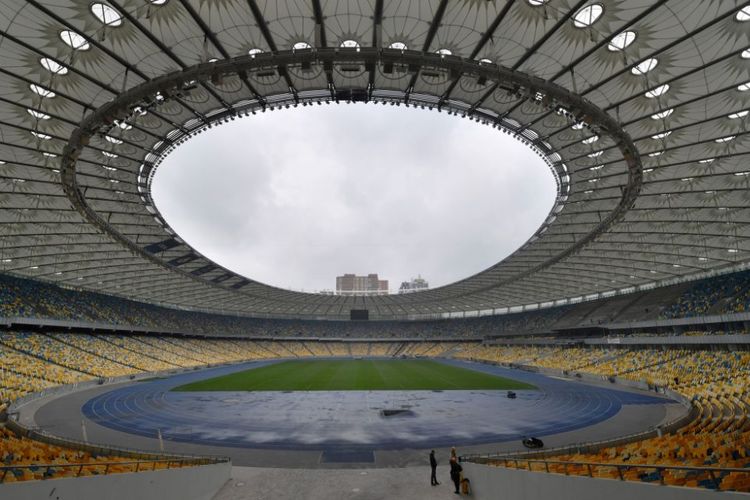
(433, 466)
(456, 474)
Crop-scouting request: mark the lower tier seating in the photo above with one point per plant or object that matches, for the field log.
(716, 380)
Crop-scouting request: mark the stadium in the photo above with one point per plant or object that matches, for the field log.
(606, 356)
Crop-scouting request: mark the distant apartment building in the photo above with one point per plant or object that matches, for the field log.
(350, 284)
(414, 285)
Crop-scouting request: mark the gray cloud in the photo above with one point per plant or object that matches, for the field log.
(295, 198)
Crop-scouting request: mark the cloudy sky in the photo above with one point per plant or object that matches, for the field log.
(295, 198)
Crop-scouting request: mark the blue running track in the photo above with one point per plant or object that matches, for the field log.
(353, 419)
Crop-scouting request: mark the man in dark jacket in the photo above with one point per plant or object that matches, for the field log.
(433, 465)
(456, 474)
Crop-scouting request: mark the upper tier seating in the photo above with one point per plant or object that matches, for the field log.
(33, 299)
(728, 293)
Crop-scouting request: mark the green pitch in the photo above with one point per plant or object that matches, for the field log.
(355, 375)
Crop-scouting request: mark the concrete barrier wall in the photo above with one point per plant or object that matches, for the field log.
(672, 340)
(499, 483)
(190, 483)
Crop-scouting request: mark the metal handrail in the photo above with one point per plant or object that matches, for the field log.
(711, 471)
(589, 446)
(102, 449)
(6, 469)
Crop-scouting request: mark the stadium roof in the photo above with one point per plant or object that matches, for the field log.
(640, 108)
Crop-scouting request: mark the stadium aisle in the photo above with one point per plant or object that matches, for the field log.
(409, 483)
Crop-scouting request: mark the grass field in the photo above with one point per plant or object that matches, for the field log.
(355, 375)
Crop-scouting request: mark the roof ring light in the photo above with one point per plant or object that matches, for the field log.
(254, 52)
(743, 15)
(350, 44)
(301, 46)
(38, 114)
(588, 15)
(661, 135)
(662, 114)
(106, 14)
(537, 3)
(590, 140)
(53, 66)
(444, 52)
(622, 41)
(645, 66)
(41, 91)
(657, 91)
(398, 46)
(74, 40)
(158, 2)
(39, 135)
(123, 125)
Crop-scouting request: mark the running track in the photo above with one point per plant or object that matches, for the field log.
(351, 420)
